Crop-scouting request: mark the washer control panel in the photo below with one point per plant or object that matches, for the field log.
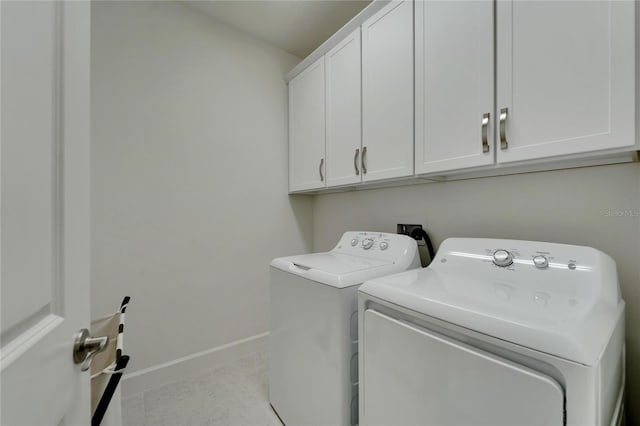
(377, 244)
(372, 241)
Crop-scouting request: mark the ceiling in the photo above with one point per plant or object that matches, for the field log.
(296, 26)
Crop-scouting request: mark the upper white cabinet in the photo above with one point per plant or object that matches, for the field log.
(307, 129)
(565, 77)
(565, 81)
(387, 93)
(344, 112)
(454, 57)
(498, 86)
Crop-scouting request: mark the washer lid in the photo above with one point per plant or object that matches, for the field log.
(567, 308)
(358, 256)
(335, 269)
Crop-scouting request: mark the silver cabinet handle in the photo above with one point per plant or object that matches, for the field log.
(320, 170)
(85, 347)
(355, 161)
(363, 163)
(503, 128)
(485, 131)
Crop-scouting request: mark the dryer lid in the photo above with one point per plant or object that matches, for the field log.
(568, 308)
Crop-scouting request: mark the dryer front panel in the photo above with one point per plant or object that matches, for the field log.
(413, 376)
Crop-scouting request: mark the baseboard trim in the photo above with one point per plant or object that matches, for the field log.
(172, 371)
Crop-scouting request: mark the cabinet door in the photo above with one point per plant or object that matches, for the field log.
(387, 92)
(454, 85)
(307, 129)
(344, 112)
(566, 77)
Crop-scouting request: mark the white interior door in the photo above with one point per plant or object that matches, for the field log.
(411, 376)
(565, 77)
(45, 210)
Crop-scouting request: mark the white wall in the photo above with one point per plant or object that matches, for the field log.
(189, 177)
(566, 206)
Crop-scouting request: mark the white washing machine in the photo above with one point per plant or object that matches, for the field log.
(494, 332)
(313, 344)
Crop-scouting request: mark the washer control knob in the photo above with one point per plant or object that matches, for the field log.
(367, 243)
(384, 245)
(502, 258)
(541, 261)
(354, 242)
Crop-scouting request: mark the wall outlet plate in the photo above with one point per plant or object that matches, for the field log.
(406, 229)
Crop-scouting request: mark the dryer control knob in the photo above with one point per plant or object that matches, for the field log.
(384, 245)
(502, 258)
(540, 261)
(354, 242)
(367, 243)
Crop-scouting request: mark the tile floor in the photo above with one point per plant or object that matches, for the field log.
(230, 394)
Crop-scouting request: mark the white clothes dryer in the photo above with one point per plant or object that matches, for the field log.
(313, 344)
(494, 332)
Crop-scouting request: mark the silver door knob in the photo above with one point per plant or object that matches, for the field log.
(85, 347)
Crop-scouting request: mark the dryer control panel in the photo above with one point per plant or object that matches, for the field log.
(541, 256)
(546, 272)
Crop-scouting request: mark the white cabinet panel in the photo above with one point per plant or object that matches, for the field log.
(307, 129)
(344, 112)
(566, 74)
(411, 376)
(454, 85)
(387, 92)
